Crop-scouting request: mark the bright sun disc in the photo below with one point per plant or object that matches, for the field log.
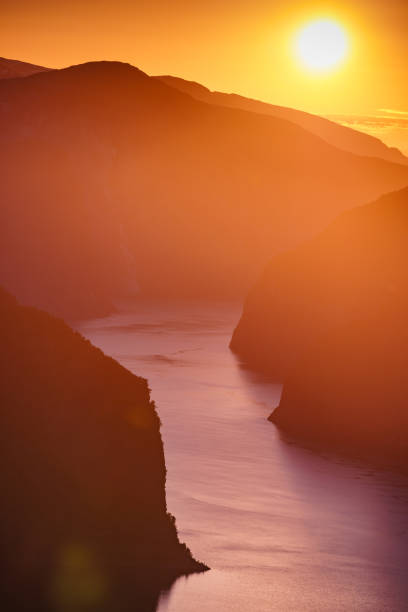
(321, 44)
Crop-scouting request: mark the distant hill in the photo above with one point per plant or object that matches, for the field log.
(83, 520)
(329, 319)
(342, 137)
(114, 182)
(11, 69)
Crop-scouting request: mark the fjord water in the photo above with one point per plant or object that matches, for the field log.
(283, 528)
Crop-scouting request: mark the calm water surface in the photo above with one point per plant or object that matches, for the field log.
(281, 527)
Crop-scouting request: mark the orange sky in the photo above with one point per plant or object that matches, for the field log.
(234, 45)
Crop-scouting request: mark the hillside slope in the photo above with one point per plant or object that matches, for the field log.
(342, 137)
(11, 69)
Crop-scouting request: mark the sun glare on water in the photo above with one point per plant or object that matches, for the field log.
(321, 45)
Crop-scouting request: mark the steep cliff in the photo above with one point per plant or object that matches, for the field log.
(83, 520)
(329, 319)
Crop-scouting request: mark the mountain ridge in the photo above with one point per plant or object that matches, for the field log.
(332, 132)
(11, 69)
(115, 183)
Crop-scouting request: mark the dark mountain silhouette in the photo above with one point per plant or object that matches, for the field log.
(330, 319)
(11, 69)
(341, 137)
(112, 180)
(83, 520)
(338, 135)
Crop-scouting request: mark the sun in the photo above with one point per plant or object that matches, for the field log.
(321, 45)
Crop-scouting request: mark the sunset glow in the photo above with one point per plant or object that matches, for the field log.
(203, 305)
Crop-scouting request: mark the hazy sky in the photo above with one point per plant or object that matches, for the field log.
(230, 45)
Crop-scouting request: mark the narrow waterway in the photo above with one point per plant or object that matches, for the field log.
(281, 527)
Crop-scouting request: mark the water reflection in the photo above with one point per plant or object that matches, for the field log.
(282, 527)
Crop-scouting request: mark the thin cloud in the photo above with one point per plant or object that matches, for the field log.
(392, 111)
(391, 129)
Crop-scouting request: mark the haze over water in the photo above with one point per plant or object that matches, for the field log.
(281, 527)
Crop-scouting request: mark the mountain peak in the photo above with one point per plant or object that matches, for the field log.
(106, 66)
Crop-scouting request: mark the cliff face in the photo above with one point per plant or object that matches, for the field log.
(83, 520)
(349, 391)
(329, 319)
(114, 182)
